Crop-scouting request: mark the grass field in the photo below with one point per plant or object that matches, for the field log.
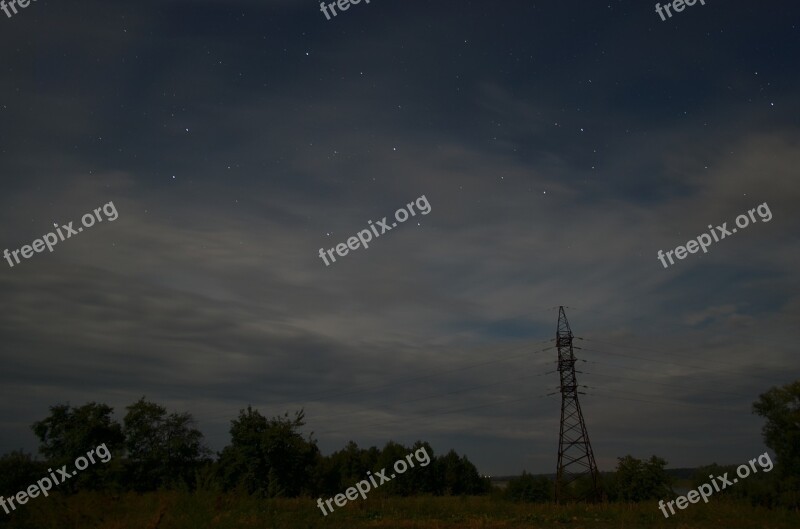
(178, 510)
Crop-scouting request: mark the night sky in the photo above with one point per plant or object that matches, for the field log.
(560, 146)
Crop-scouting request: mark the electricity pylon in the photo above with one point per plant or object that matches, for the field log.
(575, 456)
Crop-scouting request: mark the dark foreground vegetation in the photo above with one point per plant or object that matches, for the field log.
(204, 510)
(162, 476)
(267, 458)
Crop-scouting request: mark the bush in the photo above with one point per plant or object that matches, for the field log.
(18, 471)
(636, 480)
(530, 488)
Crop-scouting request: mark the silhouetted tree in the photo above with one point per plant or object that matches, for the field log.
(423, 479)
(268, 457)
(18, 471)
(780, 406)
(399, 485)
(530, 488)
(636, 480)
(163, 449)
(345, 467)
(457, 475)
(71, 432)
(759, 488)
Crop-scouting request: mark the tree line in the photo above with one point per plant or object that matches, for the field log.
(636, 480)
(269, 457)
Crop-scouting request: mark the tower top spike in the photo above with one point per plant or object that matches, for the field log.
(563, 331)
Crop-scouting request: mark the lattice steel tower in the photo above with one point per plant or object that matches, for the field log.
(575, 456)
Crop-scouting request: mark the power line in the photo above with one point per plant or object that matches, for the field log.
(436, 395)
(430, 375)
(436, 414)
(679, 403)
(616, 366)
(702, 368)
(328, 395)
(689, 356)
(472, 388)
(763, 337)
(427, 416)
(666, 384)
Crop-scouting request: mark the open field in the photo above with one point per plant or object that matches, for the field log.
(175, 510)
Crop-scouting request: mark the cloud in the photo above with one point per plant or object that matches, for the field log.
(207, 293)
